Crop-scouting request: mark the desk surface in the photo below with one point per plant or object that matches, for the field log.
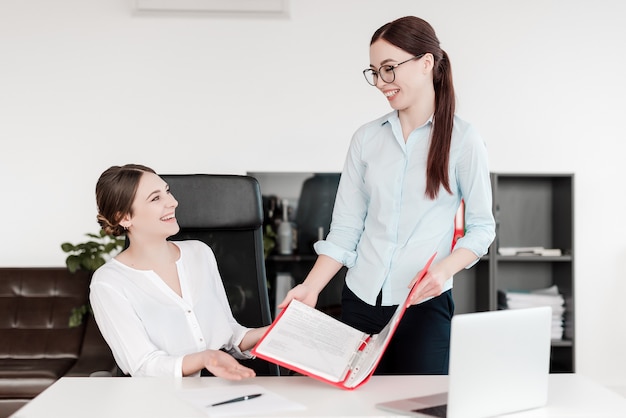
(570, 395)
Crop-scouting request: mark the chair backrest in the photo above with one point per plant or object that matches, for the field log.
(315, 209)
(225, 211)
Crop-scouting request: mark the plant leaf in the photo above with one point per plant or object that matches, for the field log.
(77, 315)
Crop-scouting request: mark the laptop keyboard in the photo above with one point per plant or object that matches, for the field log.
(438, 411)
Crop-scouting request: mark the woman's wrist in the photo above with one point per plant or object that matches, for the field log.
(193, 363)
(322, 272)
(251, 338)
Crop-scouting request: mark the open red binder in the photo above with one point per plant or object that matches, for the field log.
(315, 344)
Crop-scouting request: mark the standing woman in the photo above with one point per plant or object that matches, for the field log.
(160, 305)
(403, 180)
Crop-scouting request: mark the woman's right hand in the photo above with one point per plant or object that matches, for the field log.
(302, 293)
(308, 291)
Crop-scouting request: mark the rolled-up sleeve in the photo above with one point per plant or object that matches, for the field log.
(349, 211)
(474, 183)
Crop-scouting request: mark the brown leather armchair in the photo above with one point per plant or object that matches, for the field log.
(37, 346)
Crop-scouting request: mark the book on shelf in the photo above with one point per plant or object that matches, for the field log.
(310, 342)
(509, 251)
(541, 297)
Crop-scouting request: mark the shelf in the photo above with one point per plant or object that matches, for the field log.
(294, 258)
(534, 211)
(534, 258)
(562, 343)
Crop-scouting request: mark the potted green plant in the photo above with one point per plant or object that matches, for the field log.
(269, 240)
(88, 256)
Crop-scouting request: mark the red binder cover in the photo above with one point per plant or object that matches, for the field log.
(459, 224)
(310, 342)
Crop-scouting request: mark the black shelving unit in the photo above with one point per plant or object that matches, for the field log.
(535, 210)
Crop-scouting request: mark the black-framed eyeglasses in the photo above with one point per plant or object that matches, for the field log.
(385, 72)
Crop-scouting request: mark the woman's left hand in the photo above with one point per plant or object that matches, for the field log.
(226, 366)
(430, 285)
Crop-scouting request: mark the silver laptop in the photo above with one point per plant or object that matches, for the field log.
(499, 363)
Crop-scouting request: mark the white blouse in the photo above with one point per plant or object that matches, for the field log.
(150, 328)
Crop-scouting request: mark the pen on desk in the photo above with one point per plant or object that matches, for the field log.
(239, 399)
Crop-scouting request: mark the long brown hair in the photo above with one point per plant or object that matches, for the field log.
(416, 36)
(115, 192)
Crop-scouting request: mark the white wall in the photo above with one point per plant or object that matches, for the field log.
(85, 84)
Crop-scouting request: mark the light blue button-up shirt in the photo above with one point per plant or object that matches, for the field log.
(384, 228)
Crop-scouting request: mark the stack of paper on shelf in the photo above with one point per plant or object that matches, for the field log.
(555, 252)
(542, 297)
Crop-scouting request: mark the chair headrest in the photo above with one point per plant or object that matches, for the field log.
(216, 201)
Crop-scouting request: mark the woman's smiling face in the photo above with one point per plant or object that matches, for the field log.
(411, 77)
(154, 207)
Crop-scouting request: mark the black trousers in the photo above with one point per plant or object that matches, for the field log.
(421, 343)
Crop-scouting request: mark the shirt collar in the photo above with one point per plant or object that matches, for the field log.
(393, 116)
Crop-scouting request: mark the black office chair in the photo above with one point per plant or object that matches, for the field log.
(225, 212)
(315, 210)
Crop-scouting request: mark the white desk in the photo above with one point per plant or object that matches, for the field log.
(570, 395)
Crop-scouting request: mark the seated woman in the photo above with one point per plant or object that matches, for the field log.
(161, 305)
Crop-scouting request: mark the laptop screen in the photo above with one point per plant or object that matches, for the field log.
(499, 363)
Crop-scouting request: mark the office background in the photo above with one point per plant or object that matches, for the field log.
(85, 84)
